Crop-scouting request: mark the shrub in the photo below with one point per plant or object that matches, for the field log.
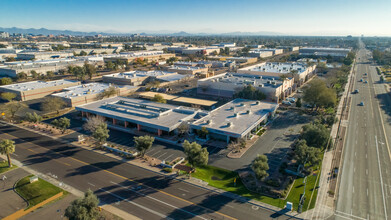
(167, 169)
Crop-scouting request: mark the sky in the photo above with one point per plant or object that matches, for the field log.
(287, 17)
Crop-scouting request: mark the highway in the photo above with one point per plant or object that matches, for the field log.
(140, 192)
(364, 190)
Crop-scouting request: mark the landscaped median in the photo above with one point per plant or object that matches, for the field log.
(225, 180)
(4, 167)
(36, 192)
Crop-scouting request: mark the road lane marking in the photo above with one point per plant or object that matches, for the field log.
(340, 214)
(183, 190)
(90, 184)
(153, 198)
(353, 189)
(366, 171)
(136, 204)
(125, 178)
(367, 191)
(381, 178)
(31, 150)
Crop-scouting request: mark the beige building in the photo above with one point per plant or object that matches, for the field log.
(130, 57)
(37, 89)
(137, 78)
(225, 85)
(299, 71)
(189, 70)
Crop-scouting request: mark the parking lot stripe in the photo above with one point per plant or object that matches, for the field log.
(168, 157)
(162, 155)
(154, 153)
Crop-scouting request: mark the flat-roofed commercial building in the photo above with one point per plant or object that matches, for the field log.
(136, 114)
(194, 50)
(324, 51)
(130, 57)
(222, 44)
(86, 93)
(275, 51)
(289, 48)
(261, 54)
(180, 100)
(12, 69)
(42, 55)
(300, 71)
(225, 85)
(236, 119)
(243, 60)
(137, 78)
(37, 89)
(189, 70)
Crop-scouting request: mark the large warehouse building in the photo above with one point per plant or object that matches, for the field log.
(236, 119)
(86, 93)
(37, 89)
(324, 51)
(300, 71)
(225, 85)
(137, 78)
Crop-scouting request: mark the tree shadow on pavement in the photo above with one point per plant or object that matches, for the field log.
(385, 104)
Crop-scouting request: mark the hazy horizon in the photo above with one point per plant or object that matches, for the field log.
(283, 17)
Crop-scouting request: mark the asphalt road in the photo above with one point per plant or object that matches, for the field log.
(140, 192)
(365, 185)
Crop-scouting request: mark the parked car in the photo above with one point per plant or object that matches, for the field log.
(291, 100)
(286, 103)
(366, 81)
(361, 103)
(356, 91)
(299, 91)
(361, 80)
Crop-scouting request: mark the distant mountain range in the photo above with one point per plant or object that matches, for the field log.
(45, 31)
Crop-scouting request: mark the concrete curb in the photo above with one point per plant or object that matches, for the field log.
(13, 188)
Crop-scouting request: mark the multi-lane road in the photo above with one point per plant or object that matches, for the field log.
(364, 190)
(138, 191)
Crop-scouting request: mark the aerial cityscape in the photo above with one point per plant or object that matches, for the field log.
(207, 110)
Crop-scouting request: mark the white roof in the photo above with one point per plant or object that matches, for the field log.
(85, 89)
(37, 85)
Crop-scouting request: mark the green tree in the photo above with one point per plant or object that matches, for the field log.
(250, 92)
(7, 147)
(83, 53)
(195, 153)
(89, 69)
(260, 167)
(79, 72)
(316, 135)
(203, 132)
(110, 66)
(171, 60)
(317, 93)
(101, 133)
(9, 96)
(85, 208)
(63, 123)
(306, 154)
(21, 75)
(51, 104)
(158, 98)
(13, 107)
(49, 74)
(111, 91)
(143, 143)
(153, 84)
(34, 74)
(34, 117)
(5, 81)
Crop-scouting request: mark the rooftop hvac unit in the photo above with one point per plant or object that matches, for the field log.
(208, 122)
(229, 124)
(248, 112)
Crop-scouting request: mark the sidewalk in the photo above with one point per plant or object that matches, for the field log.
(325, 203)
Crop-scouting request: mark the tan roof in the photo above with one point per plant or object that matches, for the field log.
(182, 99)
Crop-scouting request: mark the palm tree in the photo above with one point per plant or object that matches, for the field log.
(7, 147)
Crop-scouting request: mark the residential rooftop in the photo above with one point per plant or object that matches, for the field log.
(26, 86)
(236, 117)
